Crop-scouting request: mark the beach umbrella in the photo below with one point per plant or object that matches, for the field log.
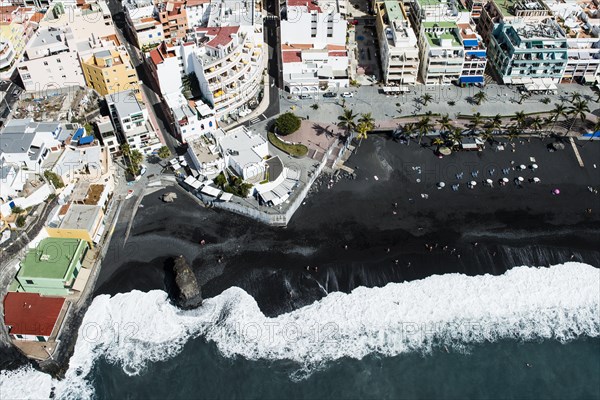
(489, 181)
(505, 180)
(441, 185)
(556, 191)
(445, 151)
(522, 166)
(473, 183)
(558, 146)
(534, 166)
(520, 178)
(536, 179)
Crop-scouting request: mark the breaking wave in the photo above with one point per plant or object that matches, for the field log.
(453, 310)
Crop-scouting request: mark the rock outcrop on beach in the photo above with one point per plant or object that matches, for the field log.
(189, 296)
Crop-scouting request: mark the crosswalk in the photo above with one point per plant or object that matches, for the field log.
(256, 120)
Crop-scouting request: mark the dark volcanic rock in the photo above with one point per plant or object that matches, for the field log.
(189, 292)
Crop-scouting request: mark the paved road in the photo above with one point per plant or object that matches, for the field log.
(156, 109)
(9, 96)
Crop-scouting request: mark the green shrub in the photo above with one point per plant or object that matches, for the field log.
(54, 179)
(287, 123)
(20, 221)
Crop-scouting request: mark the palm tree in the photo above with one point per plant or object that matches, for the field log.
(475, 122)
(488, 134)
(125, 149)
(495, 122)
(480, 97)
(536, 123)
(559, 111)
(426, 98)
(521, 118)
(456, 137)
(135, 159)
(408, 129)
(578, 110)
(347, 121)
(368, 120)
(513, 132)
(575, 97)
(365, 124)
(445, 123)
(423, 127)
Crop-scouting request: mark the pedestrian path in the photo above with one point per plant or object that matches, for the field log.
(579, 159)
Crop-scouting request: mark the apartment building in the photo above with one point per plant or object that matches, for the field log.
(580, 21)
(7, 56)
(475, 7)
(130, 119)
(528, 50)
(173, 17)
(438, 11)
(475, 56)
(192, 118)
(399, 48)
(442, 53)
(26, 143)
(17, 25)
(313, 40)
(51, 61)
(197, 13)
(495, 12)
(109, 70)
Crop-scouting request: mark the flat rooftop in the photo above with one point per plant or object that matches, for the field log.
(51, 258)
(31, 314)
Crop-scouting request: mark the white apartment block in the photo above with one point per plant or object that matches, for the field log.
(306, 22)
(313, 47)
(148, 31)
(7, 55)
(26, 143)
(192, 119)
(130, 119)
(442, 53)
(438, 11)
(579, 19)
(197, 12)
(399, 48)
(51, 61)
(225, 54)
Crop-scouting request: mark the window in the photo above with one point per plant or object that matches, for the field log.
(45, 62)
(150, 35)
(29, 281)
(58, 60)
(158, 34)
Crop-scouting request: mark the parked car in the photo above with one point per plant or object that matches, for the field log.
(305, 96)
(143, 170)
(329, 95)
(347, 94)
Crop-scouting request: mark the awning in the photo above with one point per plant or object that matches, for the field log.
(589, 78)
(82, 278)
(190, 180)
(98, 236)
(471, 79)
(226, 196)
(211, 191)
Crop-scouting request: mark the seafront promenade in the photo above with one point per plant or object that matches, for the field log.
(390, 110)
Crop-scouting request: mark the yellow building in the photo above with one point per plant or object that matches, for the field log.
(110, 71)
(85, 222)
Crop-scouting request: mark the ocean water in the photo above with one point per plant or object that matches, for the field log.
(529, 333)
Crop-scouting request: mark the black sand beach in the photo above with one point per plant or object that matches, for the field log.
(353, 234)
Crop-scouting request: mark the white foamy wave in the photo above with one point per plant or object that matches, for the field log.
(25, 383)
(133, 329)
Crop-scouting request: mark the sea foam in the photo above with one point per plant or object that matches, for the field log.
(453, 310)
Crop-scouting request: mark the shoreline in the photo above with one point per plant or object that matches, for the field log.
(526, 226)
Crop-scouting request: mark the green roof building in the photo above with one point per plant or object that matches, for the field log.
(51, 268)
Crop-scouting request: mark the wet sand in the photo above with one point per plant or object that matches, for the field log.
(352, 234)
